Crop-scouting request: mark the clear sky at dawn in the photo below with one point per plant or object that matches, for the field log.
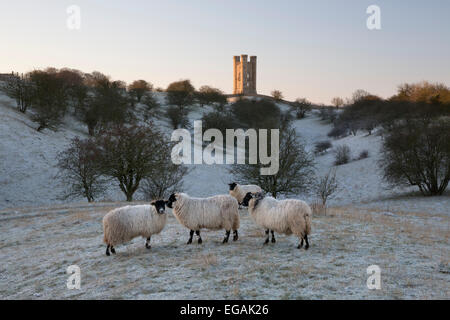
(313, 49)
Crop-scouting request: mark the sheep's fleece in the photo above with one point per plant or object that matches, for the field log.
(123, 224)
(282, 216)
(217, 212)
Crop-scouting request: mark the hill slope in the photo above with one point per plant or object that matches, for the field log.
(28, 159)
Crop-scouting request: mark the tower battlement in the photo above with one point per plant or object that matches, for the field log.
(244, 74)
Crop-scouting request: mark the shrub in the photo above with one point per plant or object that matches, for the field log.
(327, 114)
(363, 154)
(218, 120)
(207, 95)
(277, 95)
(417, 152)
(342, 155)
(301, 106)
(177, 117)
(258, 114)
(322, 146)
(338, 131)
(150, 105)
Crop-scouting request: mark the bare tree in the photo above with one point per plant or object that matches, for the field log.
(337, 102)
(150, 105)
(50, 98)
(277, 95)
(359, 95)
(177, 117)
(19, 89)
(139, 88)
(130, 154)
(296, 168)
(180, 94)
(209, 95)
(106, 103)
(327, 186)
(301, 106)
(417, 152)
(78, 168)
(167, 179)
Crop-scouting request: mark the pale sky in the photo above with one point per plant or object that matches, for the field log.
(314, 49)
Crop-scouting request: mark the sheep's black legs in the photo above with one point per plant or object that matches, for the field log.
(273, 237)
(235, 235)
(147, 243)
(191, 234)
(267, 239)
(113, 251)
(107, 250)
(199, 237)
(300, 245)
(227, 236)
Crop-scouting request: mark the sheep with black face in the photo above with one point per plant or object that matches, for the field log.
(214, 213)
(239, 191)
(123, 224)
(289, 216)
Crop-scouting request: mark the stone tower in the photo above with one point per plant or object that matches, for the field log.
(244, 71)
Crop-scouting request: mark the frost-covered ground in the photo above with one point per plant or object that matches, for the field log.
(412, 250)
(368, 223)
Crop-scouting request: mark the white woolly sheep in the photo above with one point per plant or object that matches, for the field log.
(217, 212)
(289, 216)
(123, 224)
(239, 191)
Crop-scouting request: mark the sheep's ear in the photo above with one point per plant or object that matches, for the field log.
(153, 203)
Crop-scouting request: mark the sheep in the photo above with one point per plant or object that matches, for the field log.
(217, 212)
(239, 191)
(283, 216)
(123, 224)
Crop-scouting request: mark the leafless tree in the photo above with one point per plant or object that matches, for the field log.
(181, 94)
(337, 102)
(19, 89)
(301, 106)
(209, 95)
(167, 179)
(296, 168)
(130, 154)
(78, 169)
(277, 95)
(417, 152)
(50, 98)
(327, 186)
(151, 105)
(139, 88)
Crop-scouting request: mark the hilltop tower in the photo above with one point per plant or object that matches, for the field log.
(244, 71)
